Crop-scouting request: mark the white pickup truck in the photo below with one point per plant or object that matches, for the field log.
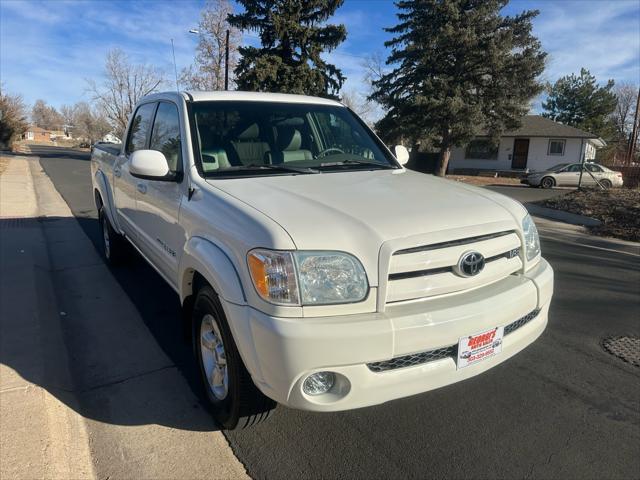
(315, 270)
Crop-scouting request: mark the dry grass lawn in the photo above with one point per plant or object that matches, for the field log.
(617, 208)
(482, 181)
(4, 163)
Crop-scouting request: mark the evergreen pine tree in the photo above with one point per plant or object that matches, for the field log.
(459, 67)
(580, 102)
(293, 36)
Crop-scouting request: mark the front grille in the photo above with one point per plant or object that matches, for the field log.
(439, 353)
(415, 359)
(430, 270)
(512, 327)
(513, 253)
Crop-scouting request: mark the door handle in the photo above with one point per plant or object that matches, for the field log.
(117, 172)
(142, 188)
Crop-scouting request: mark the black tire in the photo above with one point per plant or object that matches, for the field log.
(547, 182)
(115, 248)
(606, 184)
(240, 404)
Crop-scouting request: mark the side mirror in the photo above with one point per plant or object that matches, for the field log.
(402, 154)
(149, 165)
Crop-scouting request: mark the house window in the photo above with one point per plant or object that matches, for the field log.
(481, 150)
(556, 147)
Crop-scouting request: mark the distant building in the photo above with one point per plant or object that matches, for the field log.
(110, 138)
(538, 144)
(36, 134)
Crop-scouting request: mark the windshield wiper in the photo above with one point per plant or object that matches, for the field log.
(279, 167)
(351, 161)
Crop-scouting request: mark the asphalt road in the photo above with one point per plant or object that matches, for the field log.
(563, 408)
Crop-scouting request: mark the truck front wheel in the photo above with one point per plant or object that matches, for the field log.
(114, 245)
(234, 399)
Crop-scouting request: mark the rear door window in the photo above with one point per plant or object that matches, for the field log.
(140, 127)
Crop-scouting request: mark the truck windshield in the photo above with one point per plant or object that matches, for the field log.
(238, 138)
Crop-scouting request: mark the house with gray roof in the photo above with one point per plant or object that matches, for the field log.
(538, 144)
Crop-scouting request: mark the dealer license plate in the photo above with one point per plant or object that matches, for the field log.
(475, 348)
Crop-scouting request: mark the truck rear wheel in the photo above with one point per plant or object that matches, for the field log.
(233, 397)
(114, 245)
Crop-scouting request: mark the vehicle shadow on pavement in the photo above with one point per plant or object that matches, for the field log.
(112, 340)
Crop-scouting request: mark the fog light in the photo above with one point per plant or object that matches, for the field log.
(318, 383)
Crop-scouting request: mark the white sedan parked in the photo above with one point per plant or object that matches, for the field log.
(568, 175)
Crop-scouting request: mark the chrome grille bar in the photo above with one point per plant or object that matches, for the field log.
(433, 271)
(453, 243)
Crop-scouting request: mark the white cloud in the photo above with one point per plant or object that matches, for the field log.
(48, 52)
(602, 36)
(47, 49)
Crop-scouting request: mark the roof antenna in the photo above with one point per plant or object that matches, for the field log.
(175, 68)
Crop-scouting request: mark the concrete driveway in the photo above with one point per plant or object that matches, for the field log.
(563, 408)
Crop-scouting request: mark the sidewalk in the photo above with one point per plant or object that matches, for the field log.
(41, 437)
(86, 389)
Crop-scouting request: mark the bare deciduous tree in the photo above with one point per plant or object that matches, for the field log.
(13, 118)
(124, 84)
(364, 108)
(89, 123)
(622, 116)
(207, 72)
(67, 112)
(46, 116)
(374, 68)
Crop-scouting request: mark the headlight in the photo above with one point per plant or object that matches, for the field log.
(531, 239)
(307, 278)
(330, 277)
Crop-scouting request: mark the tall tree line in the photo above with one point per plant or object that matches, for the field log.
(293, 37)
(459, 67)
(606, 110)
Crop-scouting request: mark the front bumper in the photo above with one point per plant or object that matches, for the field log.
(281, 352)
(531, 181)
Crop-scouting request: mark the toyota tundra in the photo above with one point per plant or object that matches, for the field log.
(313, 268)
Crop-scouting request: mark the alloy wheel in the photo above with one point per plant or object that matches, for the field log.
(105, 237)
(214, 360)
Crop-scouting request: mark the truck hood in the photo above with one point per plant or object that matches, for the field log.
(336, 210)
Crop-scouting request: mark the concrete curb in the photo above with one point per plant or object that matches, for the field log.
(561, 216)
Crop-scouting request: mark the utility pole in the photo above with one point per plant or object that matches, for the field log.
(582, 155)
(195, 31)
(634, 134)
(226, 64)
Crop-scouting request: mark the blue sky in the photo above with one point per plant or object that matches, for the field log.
(49, 48)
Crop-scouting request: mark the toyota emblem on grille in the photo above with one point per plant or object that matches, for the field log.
(470, 264)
